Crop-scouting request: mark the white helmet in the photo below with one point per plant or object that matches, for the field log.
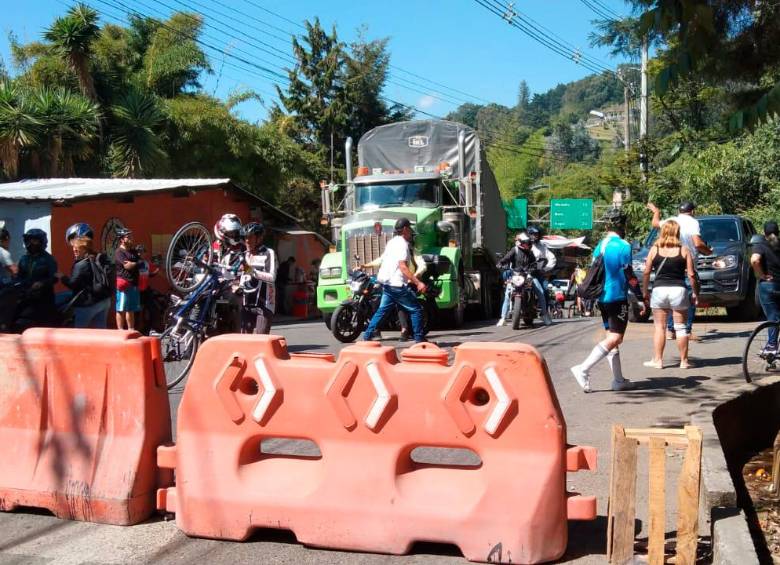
(228, 229)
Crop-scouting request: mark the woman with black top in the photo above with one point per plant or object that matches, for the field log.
(671, 262)
(766, 265)
(90, 308)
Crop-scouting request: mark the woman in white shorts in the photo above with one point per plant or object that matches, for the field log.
(671, 262)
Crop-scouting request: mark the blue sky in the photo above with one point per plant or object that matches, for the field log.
(456, 43)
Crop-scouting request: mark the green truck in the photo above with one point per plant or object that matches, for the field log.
(435, 173)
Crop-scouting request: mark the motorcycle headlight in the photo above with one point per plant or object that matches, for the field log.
(354, 286)
(638, 265)
(518, 280)
(330, 273)
(725, 262)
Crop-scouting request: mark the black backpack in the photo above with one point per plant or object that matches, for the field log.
(593, 285)
(103, 277)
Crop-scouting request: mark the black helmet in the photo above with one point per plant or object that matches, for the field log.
(687, 207)
(122, 232)
(614, 217)
(35, 233)
(534, 233)
(402, 223)
(4, 234)
(254, 227)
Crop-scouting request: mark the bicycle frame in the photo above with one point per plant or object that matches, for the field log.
(210, 286)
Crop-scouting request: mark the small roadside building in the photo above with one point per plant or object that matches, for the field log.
(153, 208)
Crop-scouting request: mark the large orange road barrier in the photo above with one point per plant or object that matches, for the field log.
(81, 415)
(367, 412)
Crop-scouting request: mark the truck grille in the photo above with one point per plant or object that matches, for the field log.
(366, 246)
(704, 263)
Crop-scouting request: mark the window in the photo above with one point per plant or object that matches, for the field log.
(421, 194)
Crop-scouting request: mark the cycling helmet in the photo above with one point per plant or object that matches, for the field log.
(523, 240)
(228, 229)
(122, 232)
(4, 234)
(614, 217)
(78, 230)
(35, 233)
(254, 227)
(534, 233)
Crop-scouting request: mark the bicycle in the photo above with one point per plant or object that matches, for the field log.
(759, 361)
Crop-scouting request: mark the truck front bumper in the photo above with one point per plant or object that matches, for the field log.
(330, 296)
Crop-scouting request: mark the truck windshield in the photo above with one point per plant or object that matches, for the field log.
(712, 230)
(422, 194)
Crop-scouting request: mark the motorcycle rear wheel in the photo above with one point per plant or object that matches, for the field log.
(346, 323)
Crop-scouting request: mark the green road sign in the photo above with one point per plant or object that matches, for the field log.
(571, 214)
(516, 213)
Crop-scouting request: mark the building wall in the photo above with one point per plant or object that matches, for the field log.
(18, 217)
(153, 217)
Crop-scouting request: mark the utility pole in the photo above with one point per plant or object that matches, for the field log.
(643, 115)
(627, 117)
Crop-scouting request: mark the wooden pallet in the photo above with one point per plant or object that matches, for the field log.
(622, 493)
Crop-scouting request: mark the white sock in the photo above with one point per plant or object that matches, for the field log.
(613, 358)
(597, 354)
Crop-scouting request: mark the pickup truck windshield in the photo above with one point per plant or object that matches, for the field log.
(422, 194)
(712, 230)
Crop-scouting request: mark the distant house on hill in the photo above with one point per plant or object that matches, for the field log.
(153, 208)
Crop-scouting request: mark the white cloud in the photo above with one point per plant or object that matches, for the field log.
(426, 102)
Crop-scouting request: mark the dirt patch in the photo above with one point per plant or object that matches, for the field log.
(757, 474)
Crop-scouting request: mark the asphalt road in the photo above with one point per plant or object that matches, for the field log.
(662, 397)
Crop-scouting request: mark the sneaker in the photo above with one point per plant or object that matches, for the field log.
(654, 364)
(501, 322)
(769, 350)
(581, 378)
(625, 384)
(671, 335)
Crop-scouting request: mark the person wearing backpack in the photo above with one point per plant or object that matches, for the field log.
(609, 279)
(90, 278)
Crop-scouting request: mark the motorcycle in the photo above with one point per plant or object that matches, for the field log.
(22, 310)
(351, 317)
(523, 298)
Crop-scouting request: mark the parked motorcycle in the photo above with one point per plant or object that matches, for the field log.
(21, 309)
(523, 298)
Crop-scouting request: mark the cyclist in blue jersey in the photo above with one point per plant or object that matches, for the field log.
(618, 279)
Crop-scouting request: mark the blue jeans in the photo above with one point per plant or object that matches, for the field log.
(92, 316)
(768, 295)
(691, 311)
(404, 297)
(540, 296)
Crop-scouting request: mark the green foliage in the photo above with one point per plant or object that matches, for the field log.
(135, 149)
(514, 169)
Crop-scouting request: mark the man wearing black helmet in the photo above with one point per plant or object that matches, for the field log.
(257, 283)
(690, 237)
(395, 275)
(37, 275)
(128, 296)
(618, 279)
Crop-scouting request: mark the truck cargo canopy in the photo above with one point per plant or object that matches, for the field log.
(426, 143)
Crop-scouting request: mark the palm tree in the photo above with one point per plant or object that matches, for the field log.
(136, 147)
(20, 128)
(69, 126)
(72, 35)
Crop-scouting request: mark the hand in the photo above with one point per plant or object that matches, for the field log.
(766, 277)
(694, 298)
(652, 207)
(421, 288)
(646, 297)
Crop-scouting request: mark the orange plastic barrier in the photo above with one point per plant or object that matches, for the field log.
(81, 415)
(367, 412)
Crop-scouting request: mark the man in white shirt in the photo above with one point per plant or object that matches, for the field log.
(690, 237)
(395, 276)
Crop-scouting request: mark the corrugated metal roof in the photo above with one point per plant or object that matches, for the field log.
(67, 189)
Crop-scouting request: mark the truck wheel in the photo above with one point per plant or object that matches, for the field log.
(327, 318)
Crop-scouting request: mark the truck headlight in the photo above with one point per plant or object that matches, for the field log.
(725, 262)
(330, 273)
(638, 265)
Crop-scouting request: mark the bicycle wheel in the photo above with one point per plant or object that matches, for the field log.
(192, 241)
(178, 350)
(757, 362)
